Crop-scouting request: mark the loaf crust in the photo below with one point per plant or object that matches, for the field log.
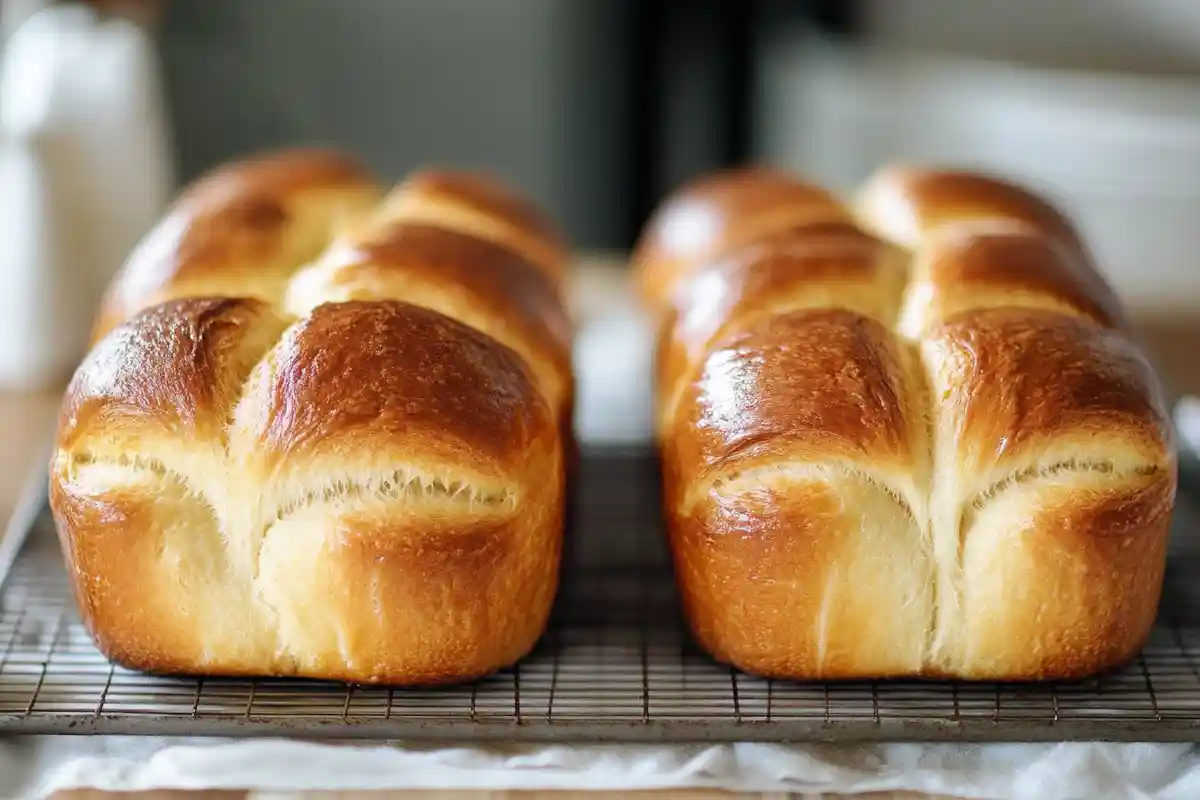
(357, 475)
(481, 284)
(481, 206)
(715, 216)
(907, 204)
(241, 230)
(939, 455)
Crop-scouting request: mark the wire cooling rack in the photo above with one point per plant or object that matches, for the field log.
(615, 665)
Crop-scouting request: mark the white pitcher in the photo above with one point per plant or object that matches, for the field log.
(85, 168)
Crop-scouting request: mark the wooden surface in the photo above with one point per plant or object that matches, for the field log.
(26, 420)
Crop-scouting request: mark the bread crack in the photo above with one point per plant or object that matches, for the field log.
(124, 459)
(1070, 465)
(922, 375)
(790, 471)
(118, 469)
(402, 484)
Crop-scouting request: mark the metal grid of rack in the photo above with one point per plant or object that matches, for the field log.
(616, 665)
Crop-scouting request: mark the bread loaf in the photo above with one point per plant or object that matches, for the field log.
(918, 444)
(322, 430)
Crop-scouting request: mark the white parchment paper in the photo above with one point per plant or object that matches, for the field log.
(36, 767)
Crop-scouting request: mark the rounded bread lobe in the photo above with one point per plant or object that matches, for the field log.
(481, 206)
(816, 385)
(136, 475)
(963, 270)
(241, 231)
(716, 215)
(484, 285)
(417, 509)
(395, 379)
(906, 204)
(1014, 381)
(834, 267)
(174, 371)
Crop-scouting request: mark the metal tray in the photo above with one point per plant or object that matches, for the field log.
(615, 665)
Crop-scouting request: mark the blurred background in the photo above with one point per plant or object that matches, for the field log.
(598, 107)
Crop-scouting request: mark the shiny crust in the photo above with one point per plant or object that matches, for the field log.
(974, 444)
(974, 269)
(907, 204)
(472, 280)
(768, 522)
(813, 385)
(241, 231)
(715, 215)
(472, 403)
(359, 487)
(805, 268)
(483, 207)
(176, 370)
(1059, 445)
(1025, 378)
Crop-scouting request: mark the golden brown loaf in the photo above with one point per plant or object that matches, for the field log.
(322, 430)
(925, 446)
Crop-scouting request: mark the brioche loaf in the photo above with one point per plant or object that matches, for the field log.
(321, 432)
(915, 440)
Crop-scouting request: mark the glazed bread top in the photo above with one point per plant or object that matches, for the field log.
(299, 228)
(906, 204)
(245, 227)
(718, 214)
(286, 313)
(486, 285)
(241, 231)
(324, 430)
(318, 410)
(480, 206)
(956, 350)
